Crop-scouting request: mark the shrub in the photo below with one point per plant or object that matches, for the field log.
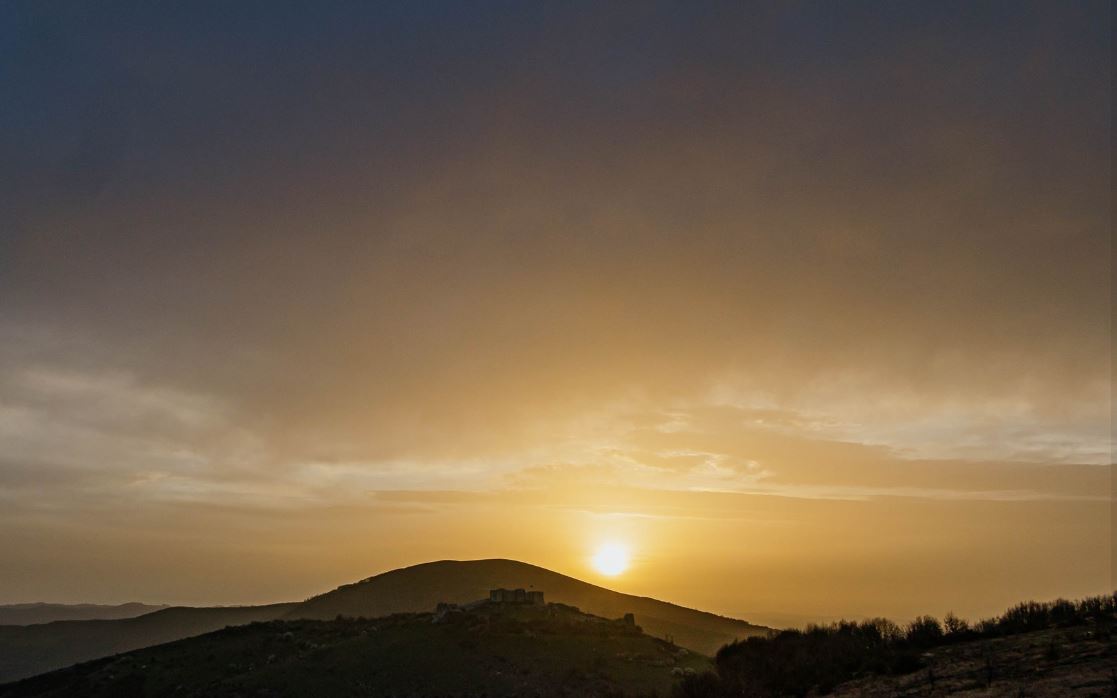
(1024, 617)
(925, 631)
(955, 627)
(704, 685)
(1063, 613)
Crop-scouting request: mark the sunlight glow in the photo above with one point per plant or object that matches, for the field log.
(611, 559)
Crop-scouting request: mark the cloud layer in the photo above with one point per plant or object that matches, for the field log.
(829, 281)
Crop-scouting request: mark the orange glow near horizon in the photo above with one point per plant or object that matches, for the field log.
(611, 558)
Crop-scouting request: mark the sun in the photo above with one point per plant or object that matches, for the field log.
(611, 559)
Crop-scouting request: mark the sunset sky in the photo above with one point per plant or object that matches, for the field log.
(805, 304)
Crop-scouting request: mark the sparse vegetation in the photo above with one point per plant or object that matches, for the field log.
(818, 659)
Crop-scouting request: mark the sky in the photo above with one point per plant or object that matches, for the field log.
(806, 304)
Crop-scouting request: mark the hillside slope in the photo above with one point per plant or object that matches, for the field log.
(34, 613)
(536, 651)
(419, 588)
(33, 649)
(1056, 662)
(29, 650)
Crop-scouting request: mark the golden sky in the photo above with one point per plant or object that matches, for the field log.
(807, 305)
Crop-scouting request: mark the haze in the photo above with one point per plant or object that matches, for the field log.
(805, 305)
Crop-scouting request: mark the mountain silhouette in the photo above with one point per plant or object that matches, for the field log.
(35, 613)
(26, 650)
(34, 649)
(420, 587)
(482, 649)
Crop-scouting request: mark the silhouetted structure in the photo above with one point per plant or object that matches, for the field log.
(520, 596)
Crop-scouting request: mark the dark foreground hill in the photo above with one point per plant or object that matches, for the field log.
(26, 651)
(1055, 663)
(421, 587)
(34, 613)
(491, 650)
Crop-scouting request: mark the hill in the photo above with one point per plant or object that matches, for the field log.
(32, 649)
(29, 650)
(420, 587)
(489, 649)
(34, 613)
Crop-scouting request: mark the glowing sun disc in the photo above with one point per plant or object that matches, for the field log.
(611, 559)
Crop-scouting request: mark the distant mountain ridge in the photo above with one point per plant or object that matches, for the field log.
(34, 649)
(40, 612)
(26, 650)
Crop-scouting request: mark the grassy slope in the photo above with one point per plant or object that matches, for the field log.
(401, 655)
(33, 649)
(420, 587)
(1058, 662)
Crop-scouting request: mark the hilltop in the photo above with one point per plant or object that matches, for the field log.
(482, 649)
(422, 586)
(34, 649)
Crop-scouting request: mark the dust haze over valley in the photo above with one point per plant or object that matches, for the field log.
(787, 312)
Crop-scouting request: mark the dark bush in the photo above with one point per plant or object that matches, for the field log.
(955, 628)
(704, 685)
(1063, 613)
(925, 631)
(796, 662)
(1024, 617)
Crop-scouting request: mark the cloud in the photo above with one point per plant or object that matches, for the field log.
(719, 263)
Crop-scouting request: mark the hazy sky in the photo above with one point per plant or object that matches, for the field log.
(807, 303)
